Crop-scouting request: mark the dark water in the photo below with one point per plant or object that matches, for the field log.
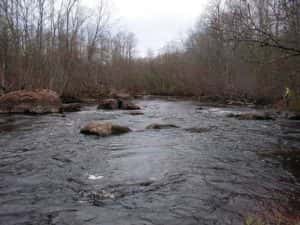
(52, 174)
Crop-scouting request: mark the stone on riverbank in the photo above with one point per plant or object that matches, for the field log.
(104, 129)
(36, 102)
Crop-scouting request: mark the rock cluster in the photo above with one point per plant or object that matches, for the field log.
(117, 103)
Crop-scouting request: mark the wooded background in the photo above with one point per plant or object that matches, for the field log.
(238, 48)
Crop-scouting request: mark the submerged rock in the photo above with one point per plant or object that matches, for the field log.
(156, 126)
(37, 102)
(251, 116)
(114, 104)
(104, 129)
(118, 191)
(198, 130)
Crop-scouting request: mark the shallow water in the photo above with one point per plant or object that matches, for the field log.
(52, 174)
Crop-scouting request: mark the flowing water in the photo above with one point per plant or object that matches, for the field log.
(213, 174)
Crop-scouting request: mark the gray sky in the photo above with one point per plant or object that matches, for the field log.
(156, 22)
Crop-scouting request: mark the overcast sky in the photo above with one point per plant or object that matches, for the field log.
(156, 22)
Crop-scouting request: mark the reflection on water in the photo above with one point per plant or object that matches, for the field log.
(206, 172)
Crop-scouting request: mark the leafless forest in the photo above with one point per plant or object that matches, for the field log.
(238, 48)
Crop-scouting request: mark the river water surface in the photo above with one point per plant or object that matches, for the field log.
(51, 174)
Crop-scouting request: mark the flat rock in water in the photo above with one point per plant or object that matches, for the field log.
(104, 129)
(36, 102)
(136, 113)
(198, 130)
(161, 126)
(251, 116)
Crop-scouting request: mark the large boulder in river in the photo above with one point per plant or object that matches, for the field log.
(37, 101)
(104, 129)
(114, 104)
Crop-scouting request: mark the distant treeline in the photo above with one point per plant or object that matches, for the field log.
(247, 48)
(61, 45)
(238, 49)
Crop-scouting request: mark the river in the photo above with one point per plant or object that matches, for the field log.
(211, 175)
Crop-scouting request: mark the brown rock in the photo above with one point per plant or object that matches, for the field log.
(37, 101)
(103, 129)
